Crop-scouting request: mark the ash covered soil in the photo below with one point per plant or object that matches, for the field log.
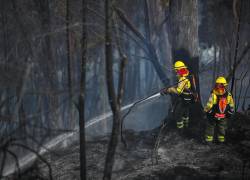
(180, 156)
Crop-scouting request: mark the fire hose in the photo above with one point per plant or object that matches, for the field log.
(152, 96)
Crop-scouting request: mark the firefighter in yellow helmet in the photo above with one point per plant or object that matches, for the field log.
(219, 107)
(183, 90)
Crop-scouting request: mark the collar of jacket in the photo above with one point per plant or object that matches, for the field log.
(183, 76)
(216, 92)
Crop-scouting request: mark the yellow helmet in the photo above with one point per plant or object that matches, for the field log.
(221, 80)
(178, 65)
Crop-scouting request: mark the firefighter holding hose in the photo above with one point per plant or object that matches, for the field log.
(185, 91)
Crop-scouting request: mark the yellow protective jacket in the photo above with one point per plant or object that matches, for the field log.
(183, 84)
(213, 100)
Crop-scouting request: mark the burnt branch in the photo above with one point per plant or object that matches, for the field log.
(151, 51)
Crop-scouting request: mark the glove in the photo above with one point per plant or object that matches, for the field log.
(163, 92)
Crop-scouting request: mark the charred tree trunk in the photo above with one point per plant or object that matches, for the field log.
(5, 37)
(183, 33)
(148, 72)
(111, 92)
(83, 173)
(20, 110)
(49, 67)
(115, 101)
(5, 33)
(215, 64)
(69, 62)
(237, 39)
(68, 46)
(147, 21)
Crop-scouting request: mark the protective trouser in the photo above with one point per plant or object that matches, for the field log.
(182, 114)
(211, 124)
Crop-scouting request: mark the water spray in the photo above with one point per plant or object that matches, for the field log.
(143, 100)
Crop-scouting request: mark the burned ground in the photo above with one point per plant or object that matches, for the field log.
(179, 157)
